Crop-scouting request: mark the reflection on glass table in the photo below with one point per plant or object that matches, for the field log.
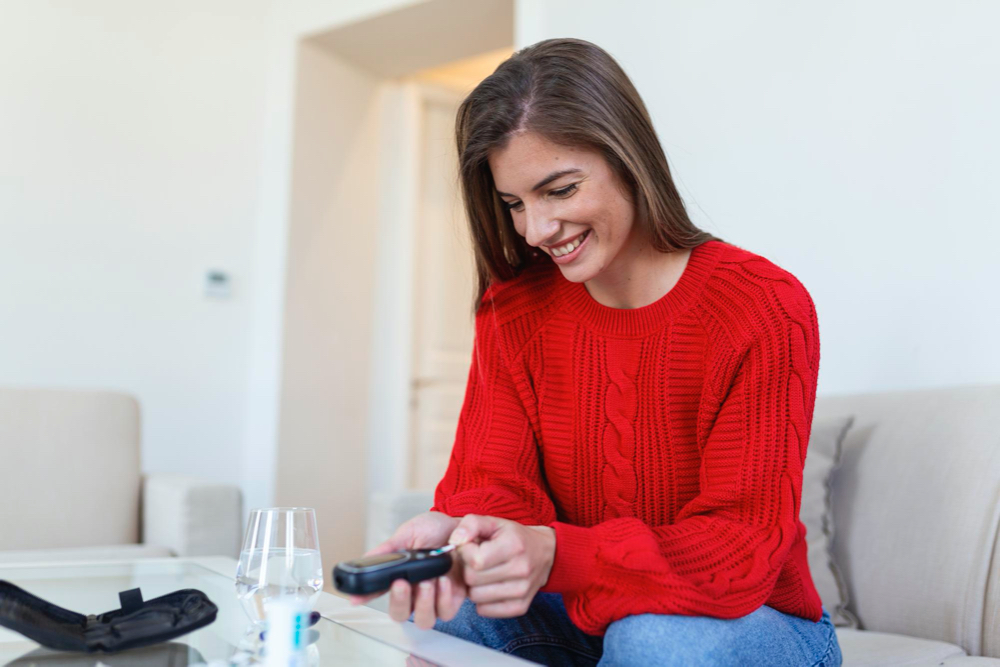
(94, 589)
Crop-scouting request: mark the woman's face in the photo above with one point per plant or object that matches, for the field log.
(583, 206)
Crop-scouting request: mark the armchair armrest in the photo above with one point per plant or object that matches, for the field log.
(191, 516)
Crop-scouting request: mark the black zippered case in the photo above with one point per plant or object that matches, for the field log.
(137, 623)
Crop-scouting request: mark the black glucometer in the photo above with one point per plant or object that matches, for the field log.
(375, 574)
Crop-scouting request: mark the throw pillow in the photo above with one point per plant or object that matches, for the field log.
(816, 512)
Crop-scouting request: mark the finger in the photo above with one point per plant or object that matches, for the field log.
(473, 527)
(505, 609)
(503, 546)
(394, 543)
(400, 601)
(505, 590)
(446, 607)
(454, 592)
(423, 607)
(516, 568)
(384, 548)
(364, 599)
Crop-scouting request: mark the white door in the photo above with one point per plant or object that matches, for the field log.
(443, 328)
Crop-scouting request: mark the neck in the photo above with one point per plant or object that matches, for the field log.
(640, 278)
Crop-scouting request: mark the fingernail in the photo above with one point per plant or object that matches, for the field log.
(426, 586)
(459, 537)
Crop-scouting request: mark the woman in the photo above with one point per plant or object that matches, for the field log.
(627, 471)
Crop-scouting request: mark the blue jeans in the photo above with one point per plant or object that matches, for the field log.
(546, 635)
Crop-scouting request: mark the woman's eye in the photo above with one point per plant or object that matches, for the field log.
(562, 192)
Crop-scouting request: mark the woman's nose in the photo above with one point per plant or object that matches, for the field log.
(540, 229)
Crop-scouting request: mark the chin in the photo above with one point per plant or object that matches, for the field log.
(577, 274)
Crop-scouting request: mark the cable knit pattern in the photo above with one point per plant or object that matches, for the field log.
(619, 436)
(664, 444)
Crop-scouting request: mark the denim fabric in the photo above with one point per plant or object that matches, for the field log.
(545, 635)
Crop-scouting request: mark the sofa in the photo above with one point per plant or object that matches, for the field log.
(915, 504)
(71, 487)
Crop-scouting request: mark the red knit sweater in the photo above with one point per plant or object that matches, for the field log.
(664, 444)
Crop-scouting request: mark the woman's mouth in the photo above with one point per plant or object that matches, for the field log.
(565, 254)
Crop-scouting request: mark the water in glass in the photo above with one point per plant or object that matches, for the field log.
(280, 557)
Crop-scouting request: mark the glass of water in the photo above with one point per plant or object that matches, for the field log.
(280, 558)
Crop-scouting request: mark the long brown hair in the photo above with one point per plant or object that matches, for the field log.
(573, 93)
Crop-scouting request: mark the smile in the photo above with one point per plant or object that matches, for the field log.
(568, 252)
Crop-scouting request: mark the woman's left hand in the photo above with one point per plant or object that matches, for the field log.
(505, 563)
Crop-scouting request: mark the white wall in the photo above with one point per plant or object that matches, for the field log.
(143, 143)
(328, 310)
(129, 156)
(853, 143)
(288, 22)
(140, 145)
(344, 343)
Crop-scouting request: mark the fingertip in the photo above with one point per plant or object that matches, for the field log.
(463, 532)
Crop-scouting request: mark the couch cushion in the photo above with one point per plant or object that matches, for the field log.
(915, 509)
(970, 661)
(816, 514)
(116, 552)
(69, 476)
(877, 649)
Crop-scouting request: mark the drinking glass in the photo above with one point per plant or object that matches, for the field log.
(280, 558)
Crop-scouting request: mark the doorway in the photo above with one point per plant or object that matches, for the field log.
(378, 320)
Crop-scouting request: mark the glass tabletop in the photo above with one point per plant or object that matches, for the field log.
(93, 589)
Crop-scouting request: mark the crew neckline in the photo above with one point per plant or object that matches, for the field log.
(648, 318)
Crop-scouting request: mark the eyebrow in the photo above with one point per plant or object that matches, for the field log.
(545, 181)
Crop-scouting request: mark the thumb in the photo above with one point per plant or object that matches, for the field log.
(394, 543)
(473, 528)
(384, 548)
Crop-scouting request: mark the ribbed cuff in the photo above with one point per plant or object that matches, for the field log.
(575, 564)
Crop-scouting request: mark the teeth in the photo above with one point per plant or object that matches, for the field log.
(568, 248)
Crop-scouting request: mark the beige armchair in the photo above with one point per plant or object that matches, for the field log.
(71, 486)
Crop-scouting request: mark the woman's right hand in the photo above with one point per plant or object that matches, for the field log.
(431, 599)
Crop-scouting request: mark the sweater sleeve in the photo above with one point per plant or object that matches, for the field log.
(494, 467)
(723, 554)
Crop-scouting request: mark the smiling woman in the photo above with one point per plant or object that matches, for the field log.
(627, 469)
(557, 138)
(583, 216)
